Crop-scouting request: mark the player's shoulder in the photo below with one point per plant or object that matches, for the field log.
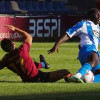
(24, 44)
(86, 22)
(80, 23)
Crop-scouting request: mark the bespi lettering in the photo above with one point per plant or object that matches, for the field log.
(39, 27)
(45, 27)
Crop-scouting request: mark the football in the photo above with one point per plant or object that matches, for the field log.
(88, 77)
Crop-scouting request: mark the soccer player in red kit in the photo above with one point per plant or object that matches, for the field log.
(20, 62)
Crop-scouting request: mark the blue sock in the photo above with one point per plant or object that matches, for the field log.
(85, 68)
(43, 64)
(97, 78)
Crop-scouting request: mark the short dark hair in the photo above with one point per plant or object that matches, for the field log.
(91, 13)
(7, 45)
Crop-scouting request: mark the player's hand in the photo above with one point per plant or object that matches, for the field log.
(55, 48)
(11, 27)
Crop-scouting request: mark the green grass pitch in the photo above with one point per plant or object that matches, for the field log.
(11, 87)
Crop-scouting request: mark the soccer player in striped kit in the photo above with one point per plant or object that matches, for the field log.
(89, 32)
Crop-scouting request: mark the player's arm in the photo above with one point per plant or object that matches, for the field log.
(27, 36)
(75, 30)
(56, 45)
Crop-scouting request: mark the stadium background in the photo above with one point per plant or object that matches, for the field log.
(11, 86)
(45, 20)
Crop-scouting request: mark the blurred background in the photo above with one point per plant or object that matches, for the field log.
(46, 20)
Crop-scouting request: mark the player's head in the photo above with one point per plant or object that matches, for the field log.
(7, 45)
(94, 15)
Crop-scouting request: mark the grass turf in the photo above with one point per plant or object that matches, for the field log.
(11, 87)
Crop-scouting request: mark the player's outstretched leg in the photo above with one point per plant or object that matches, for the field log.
(75, 79)
(42, 59)
(59, 74)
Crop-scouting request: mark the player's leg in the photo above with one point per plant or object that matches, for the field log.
(92, 61)
(59, 74)
(54, 76)
(38, 65)
(96, 70)
(43, 63)
(89, 59)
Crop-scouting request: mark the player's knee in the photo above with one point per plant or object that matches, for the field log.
(96, 62)
(93, 59)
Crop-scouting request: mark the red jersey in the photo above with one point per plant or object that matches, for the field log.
(20, 62)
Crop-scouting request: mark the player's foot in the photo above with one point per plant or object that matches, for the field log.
(76, 80)
(42, 59)
(66, 78)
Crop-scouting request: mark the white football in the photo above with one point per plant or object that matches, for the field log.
(88, 78)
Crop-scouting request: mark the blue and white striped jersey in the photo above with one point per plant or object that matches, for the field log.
(88, 32)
